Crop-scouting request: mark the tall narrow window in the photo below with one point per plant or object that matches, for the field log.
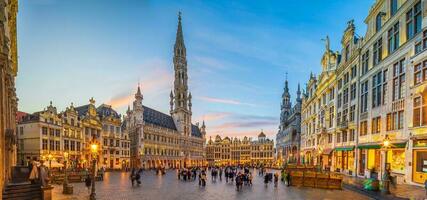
(378, 22)
(363, 128)
(353, 91)
(419, 112)
(393, 7)
(365, 62)
(399, 80)
(377, 51)
(376, 89)
(413, 21)
(364, 97)
(393, 38)
(384, 87)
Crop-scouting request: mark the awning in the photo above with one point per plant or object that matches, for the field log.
(379, 146)
(344, 148)
(327, 151)
(398, 145)
(309, 150)
(369, 146)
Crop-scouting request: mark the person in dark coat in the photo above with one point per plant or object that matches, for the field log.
(133, 176)
(88, 183)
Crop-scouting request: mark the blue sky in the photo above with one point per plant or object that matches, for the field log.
(238, 53)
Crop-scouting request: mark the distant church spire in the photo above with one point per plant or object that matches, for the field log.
(286, 103)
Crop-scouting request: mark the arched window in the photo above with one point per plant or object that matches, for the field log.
(378, 21)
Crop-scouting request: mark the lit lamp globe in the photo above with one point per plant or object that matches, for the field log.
(386, 142)
(94, 148)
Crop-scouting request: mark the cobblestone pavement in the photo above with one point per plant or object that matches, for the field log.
(116, 185)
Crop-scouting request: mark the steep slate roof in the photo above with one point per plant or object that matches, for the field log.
(158, 118)
(106, 110)
(82, 110)
(195, 131)
(161, 119)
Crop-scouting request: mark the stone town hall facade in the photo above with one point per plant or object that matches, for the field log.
(158, 139)
(289, 134)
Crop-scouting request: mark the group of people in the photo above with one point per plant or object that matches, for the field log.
(39, 174)
(135, 176)
(187, 174)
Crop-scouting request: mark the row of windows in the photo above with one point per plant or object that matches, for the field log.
(344, 136)
(380, 86)
(111, 129)
(112, 152)
(51, 145)
(52, 132)
(110, 143)
(72, 145)
(413, 27)
(394, 121)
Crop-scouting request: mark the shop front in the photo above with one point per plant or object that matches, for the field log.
(326, 159)
(370, 160)
(344, 160)
(419, 159)
(396, 159)
(307, 157)
(371, 163)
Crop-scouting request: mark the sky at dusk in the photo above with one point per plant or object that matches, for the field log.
(238, 53)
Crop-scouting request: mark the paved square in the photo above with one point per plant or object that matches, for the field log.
(117, 185)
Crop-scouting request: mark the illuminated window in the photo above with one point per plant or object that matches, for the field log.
(420, 112)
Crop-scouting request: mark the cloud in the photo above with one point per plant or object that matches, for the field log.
(245, 125)
(213, 116)
(224, 101)
(210, 62)
(153, 83)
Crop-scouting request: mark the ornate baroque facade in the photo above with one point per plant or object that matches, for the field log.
(48, 132)
(228, 151)
(8, 99)
(289, 134)
(158, 139)
(370, 92)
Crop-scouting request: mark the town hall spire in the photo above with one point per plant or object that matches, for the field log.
(180, 109)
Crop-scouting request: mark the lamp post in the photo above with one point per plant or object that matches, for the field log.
(386, 174)
(49, 157)
(66, 189)
(94, 151)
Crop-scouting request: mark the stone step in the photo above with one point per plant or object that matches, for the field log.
(22, 195)
(22, 191)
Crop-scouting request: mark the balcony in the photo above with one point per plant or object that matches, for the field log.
(343, 125)
(398, 105)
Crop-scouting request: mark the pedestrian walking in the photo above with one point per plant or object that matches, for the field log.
(203, 178)
(44, 175)
(133, 176)
(220, 173)
(288, 177)
(88, 183)
(138, 177)
(276, 179)
(34, 173)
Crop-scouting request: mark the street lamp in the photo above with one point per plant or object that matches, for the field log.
(66, 189)
(386, 175)
(94, 151)
(49, 157)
